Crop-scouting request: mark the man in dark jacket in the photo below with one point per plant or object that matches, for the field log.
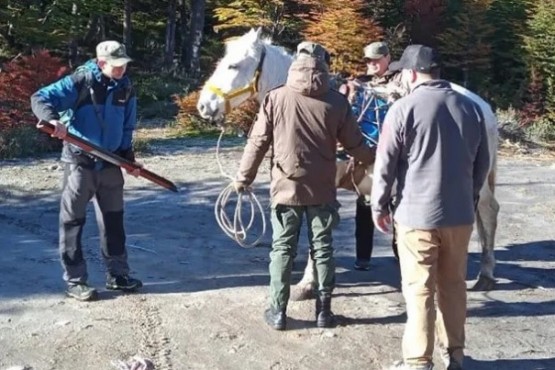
(434, 147)
(96, 103)
(302, 120)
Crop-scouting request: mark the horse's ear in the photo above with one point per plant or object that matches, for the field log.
(258, 32)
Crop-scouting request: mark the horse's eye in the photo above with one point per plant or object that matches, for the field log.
(233, 66)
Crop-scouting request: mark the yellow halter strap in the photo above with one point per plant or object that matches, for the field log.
(251, 88)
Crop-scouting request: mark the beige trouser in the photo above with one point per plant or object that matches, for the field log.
(434, 260)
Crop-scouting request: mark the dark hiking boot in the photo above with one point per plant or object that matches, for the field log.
(81, 292)
(276, 318)
(324, 316)
(123, 282)
(454, 365)
(362, 265)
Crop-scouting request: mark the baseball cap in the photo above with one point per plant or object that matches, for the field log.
(113, 52)
(314, 50)
(376, 50)
(417, 57)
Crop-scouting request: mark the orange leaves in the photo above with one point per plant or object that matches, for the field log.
(19, 79)
(342, 28)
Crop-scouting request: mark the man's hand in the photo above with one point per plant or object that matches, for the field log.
(240, 186)
(382, 222)
(60, 130)
(136, 172)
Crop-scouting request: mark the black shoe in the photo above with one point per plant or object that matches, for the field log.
(362, 265)
(81, 292)
(123, 282)
(324, 317)
(275, 318)
(454, 365)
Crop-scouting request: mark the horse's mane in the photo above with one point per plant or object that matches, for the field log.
(277, 59)
(238, 43)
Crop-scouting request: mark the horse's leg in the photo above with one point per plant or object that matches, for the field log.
(305, 288)
(486, 221)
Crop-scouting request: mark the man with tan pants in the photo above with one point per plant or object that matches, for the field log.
(434, 146)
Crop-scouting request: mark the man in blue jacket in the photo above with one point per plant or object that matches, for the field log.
(96, 103)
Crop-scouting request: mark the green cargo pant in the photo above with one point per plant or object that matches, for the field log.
(286, 224)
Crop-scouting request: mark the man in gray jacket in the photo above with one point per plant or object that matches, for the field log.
(302, 120)
(434, 146)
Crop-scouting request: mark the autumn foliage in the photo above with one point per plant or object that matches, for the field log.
(19, 79)
(341, 27)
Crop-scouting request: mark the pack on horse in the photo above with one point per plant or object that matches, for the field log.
(252, 66)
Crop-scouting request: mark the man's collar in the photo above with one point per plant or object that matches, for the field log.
(433, 83)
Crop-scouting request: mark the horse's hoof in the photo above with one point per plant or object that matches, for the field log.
(302, 293)
(484, 283)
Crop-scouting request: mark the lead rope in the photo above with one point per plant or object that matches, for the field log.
(235, 228)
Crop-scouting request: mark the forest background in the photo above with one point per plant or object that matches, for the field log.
(502, 49)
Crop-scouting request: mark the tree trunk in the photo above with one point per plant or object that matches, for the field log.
(92, 29)
(183, 29)
(73, 44)
(7, 35)
(102, 27)
(194, 41)
(127, 26)
(169, 48)
(465, 76)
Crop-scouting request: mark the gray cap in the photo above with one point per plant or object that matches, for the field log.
(113, 52)
(376, 50)
(314, 50)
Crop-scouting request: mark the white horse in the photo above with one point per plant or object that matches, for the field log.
(252, 66)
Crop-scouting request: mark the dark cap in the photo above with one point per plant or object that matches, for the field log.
(417, 57)
(314, 50)
(376, 50)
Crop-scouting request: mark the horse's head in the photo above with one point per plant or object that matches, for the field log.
(235, 78)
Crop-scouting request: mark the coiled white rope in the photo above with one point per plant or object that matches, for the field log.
(234, 227)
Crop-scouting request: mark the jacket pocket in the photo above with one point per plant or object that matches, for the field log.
(289, 165)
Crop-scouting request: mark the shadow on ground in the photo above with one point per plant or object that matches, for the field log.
(510, 364)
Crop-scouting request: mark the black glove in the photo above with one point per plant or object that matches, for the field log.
(128, 154)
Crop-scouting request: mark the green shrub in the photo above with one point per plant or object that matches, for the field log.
(141, 145)
(25, 140)
(155, 94)
(543, 129)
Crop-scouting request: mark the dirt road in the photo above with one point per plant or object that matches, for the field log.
(202, 304)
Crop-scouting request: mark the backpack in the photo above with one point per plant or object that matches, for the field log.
(87, 88)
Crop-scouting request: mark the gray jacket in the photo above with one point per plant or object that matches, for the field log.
(434, 144)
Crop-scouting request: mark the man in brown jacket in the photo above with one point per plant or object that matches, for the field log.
(302, 120)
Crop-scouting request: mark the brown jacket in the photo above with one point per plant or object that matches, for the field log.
(303, 120)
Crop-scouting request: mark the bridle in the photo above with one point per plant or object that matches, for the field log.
(251, 88)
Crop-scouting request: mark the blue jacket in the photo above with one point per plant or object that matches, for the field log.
(106, 117)
(373, 110)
